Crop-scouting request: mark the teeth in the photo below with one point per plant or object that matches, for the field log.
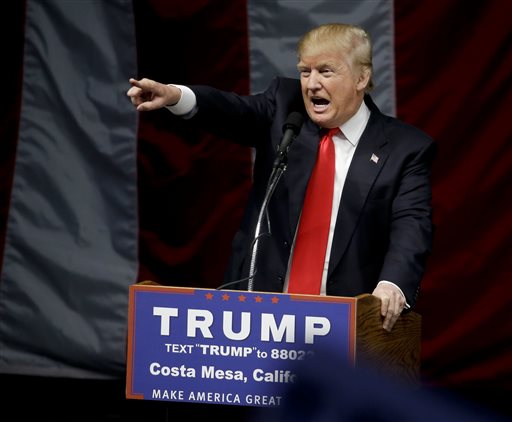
(320, 107)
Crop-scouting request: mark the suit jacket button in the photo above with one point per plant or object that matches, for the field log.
(286, 244)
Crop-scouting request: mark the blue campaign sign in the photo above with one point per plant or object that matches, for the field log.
(229, 347)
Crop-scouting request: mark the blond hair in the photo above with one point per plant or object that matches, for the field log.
(352, 41)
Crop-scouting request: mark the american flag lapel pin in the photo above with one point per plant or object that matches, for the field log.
(374, 158)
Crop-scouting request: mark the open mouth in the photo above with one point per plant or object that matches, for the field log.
(319, 104)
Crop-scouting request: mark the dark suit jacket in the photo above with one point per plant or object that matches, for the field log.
(384, 225)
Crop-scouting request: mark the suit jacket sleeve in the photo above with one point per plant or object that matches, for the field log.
(411, 226)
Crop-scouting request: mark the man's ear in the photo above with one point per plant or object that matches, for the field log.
(364, 79)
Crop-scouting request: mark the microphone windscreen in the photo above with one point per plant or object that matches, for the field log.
(294, 122)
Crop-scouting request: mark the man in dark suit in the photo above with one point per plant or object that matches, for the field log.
(380, 231)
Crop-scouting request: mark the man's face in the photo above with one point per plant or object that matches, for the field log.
(332, 92)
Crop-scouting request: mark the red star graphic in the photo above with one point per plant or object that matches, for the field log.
(275, 300)
(258, 299)
(225, 296)
(242, 298)
(209, 296)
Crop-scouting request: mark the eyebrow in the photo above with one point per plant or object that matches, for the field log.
(329, 64)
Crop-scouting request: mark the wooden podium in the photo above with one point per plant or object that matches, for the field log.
(180, 337)
(396, 353)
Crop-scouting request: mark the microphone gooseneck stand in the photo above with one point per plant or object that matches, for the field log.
(280, 164)
(291, 129)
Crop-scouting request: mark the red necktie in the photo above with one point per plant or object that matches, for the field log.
(311, 241)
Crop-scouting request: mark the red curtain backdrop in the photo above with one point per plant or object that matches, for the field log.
(192, 186)
(454, 80)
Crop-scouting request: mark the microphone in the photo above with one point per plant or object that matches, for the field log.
(291, 129)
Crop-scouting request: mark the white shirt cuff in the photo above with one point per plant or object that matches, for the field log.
(187, 102)
(407, 306)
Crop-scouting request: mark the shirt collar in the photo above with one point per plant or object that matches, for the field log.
(354, 127)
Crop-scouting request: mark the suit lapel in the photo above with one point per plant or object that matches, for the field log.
(369, 158)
